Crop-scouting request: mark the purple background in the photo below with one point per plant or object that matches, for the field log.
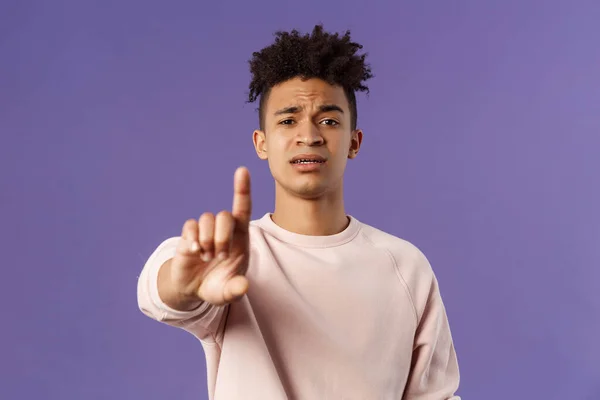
(121, 119)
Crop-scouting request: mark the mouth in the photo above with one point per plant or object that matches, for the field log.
(307, 159)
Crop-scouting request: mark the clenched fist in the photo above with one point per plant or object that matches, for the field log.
(212, 256)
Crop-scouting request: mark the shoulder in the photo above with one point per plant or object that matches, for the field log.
(411, 264)
(405, 254)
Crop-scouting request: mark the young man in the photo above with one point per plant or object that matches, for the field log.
(306, 302)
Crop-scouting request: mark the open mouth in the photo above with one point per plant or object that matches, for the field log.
(307, 161)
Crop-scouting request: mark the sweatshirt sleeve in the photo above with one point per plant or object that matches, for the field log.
(434, 368)
(205, 322)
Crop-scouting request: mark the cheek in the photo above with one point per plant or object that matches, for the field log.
(276, 146)
(339, 146)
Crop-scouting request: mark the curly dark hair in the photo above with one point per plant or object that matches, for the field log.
(323, 55)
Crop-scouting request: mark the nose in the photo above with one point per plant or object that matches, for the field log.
(310, 135)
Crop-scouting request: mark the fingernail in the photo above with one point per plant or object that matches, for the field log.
(221, 256)
(206, 257)
(194, 247)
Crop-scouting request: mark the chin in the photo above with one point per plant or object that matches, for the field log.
(308, 187)
(310, 190)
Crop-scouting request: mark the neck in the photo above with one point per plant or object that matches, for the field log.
(315, 217)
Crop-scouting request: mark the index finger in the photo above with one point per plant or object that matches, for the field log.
(242, 202)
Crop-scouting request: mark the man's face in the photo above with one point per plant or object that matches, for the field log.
(307, 136)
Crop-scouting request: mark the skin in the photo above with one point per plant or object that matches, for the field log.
(301, 117)
(316, 198)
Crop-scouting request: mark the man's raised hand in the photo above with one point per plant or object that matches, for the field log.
(213, 253)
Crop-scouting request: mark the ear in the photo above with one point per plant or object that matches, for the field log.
(355, 142)
(260, 144)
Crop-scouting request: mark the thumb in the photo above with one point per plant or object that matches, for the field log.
(235, 288)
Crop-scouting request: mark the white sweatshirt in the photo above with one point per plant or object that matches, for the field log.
(356, 315)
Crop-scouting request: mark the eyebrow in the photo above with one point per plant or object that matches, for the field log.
(297, 109)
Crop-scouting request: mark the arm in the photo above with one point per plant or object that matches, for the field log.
(434, 368)
(190, 280)
(202, 320)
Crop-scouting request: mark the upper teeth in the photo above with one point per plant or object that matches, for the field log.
(305, 161)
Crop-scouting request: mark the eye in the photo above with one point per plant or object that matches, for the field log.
(330, 122)
(288, 121)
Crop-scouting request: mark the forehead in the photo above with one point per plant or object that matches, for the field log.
(311, 92)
